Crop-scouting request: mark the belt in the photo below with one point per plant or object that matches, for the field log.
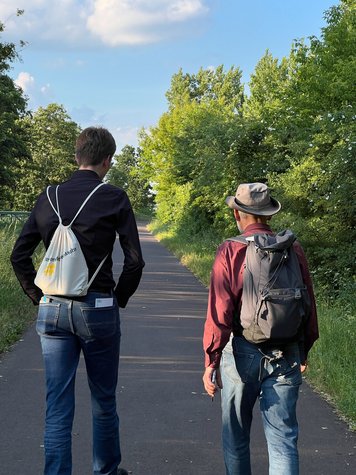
(105, 290)
(268, 345)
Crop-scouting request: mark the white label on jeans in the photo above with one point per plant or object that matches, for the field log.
(104, 302)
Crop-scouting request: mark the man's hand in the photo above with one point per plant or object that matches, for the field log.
(209, 386)
(303, 367)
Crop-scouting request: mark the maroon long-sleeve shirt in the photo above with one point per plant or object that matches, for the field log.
(225, 295)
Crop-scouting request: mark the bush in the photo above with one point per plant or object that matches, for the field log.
(332, 370)
(16, 310)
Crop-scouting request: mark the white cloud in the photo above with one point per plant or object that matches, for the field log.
(38, 95)
(25, 81)
(113, 22)
(185, 9)
(86, 116)
(46, 89)
(61, 22)
(125, 136)
(140, 21)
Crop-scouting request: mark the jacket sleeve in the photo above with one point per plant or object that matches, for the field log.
(21, 259)
(133, 262)
(222, 303)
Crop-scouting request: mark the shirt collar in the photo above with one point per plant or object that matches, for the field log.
(257, 228)
(85, 174)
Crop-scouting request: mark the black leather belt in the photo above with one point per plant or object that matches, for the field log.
(101, 291)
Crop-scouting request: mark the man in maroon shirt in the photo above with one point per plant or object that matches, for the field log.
(246, 371)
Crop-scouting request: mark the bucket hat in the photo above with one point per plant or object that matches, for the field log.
(254, 198)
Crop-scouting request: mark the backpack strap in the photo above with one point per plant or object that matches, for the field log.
(56, 210)
(96, 272)
(84, 202)
(242, 239)
(50, 201)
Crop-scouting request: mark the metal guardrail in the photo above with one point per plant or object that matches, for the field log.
(14, 215)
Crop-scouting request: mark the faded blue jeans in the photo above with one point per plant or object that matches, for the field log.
(273, 378)
(67, 328)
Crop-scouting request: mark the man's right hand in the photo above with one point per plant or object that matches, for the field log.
(209, 386)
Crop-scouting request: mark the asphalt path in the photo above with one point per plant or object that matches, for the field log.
(168, 425)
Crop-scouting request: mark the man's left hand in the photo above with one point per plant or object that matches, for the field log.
(209, 386)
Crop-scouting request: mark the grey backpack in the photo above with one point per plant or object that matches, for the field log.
(275, 300)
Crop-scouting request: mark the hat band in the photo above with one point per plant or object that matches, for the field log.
(257, 207)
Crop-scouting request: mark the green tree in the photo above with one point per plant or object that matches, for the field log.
(127, 173)
(327, 66)
(12, 108)
(316, 186)
(207, 85)
(295, 130)
(51, 134)
(190, 155)
(267, 86)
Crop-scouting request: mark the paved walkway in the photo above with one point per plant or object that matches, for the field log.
(168, 425)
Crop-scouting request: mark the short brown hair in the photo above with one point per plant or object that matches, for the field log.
(93, 145)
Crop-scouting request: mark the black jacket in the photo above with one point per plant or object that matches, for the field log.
(106, 213)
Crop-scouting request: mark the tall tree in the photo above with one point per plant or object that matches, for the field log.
(128, 174)
(12, 108)
(189, 153)
(317, 186)
(207, 85)
(51, 134)
(296, 130)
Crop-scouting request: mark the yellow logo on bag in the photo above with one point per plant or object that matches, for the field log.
(49, 270)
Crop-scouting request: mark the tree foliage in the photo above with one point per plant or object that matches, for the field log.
(295, 130)
(51, 135)
(127, 174)
(186, 155)
(207, 85)
(12, 108)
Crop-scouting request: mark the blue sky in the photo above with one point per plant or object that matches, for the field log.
(110, 62)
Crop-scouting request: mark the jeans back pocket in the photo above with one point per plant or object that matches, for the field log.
(47, 319)
(100, 322)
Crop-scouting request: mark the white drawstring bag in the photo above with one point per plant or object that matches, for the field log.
(63, 270)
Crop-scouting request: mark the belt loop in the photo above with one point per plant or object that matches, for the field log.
(70, 315)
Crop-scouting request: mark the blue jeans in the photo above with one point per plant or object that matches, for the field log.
(273, 378)
(67, 328)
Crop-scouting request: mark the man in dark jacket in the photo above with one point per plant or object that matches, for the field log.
(246, 371)
(91, 323)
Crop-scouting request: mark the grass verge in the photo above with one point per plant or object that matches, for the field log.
(16, 310)
(332, 371)
(195, 253)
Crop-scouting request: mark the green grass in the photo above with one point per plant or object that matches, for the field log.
(332, 371)
(16, 310)
(196, 254)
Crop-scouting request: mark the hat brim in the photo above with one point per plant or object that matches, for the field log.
(273, 207)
